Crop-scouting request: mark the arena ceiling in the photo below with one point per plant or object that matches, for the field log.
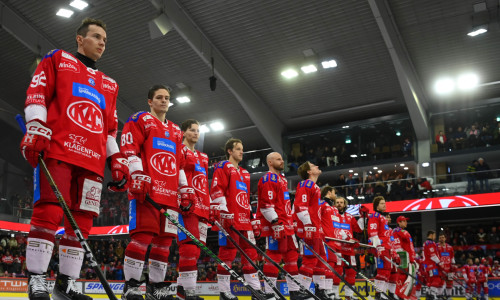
(389, 54)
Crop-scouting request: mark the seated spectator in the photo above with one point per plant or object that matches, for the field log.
(7, 262)
(459, 138)
(486, 135)
(481, 237)
(473, 136)
(493, 237)
(424, 188)
(441, 141)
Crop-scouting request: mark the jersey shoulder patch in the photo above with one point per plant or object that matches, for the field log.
(135, 116)
(273, 177)
(50, 53)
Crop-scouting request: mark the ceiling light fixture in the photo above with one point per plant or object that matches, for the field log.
(425, 164)
(478, 30)
(217, 126)
(309, 69)
(379, 171)
(289, 73)
(79, 4)
(66, 13)
(444, 86)
(159, 26)
(183, 99)
(204, 128)
(467, 82)
(329, 64)
(345, 126)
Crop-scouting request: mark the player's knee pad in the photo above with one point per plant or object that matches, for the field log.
(138, 245)
(291, 267)
(42, 233)
(160, 248)
(188, 256)
(308, 264)
(317, 270)
(47, 216)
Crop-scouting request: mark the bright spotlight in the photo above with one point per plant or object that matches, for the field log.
(66, 13)
(290, 73)
(217, 126)
(309, 69)
(329, 64)
(444, 86)
(477, 31)
(467, 81)
(204, 128)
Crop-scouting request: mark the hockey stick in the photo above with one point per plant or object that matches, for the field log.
(349, 242)
(263, 253)
(474, 293)
(359, 273)
(332, 269)
(203, 247)
(71, 220)
(269, 282)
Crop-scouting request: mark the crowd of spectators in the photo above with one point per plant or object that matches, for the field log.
(483, 134)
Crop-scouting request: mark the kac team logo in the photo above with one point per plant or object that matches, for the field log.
(200, 183)
(164, 163)
(86, 115)
(242, 200)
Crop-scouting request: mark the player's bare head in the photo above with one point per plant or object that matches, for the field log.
(303, 169)
(91, 38)
(328, 192)
(379, 204)
(188, 123)
(275, 161)
(83, 29)
(155, 88)
(431, 234)
(442, 237)
(341, 204)
(230, 146)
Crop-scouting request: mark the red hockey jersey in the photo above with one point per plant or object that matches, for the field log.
(403, 242)
(81, 109)
(232, 186)
(446, 255)
(159, 145)
(196, 169)
(273, 194)
(308, 198)
(377, 226)
(431, 257)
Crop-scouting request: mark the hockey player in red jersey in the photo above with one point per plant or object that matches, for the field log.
(70, 111)
(329, 213)
(379, 236)
(307, 207)
(274, 211)
(421, 275)
(495, 269)
(403, 245)
(469, 272)
(447, 257)
(431, 261)
(483, 272)
(391, 284)
(153, 146)
(346, 225)
(231, 207)
(195, 219)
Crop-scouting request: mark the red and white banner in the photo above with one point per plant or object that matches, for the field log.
(441, 203)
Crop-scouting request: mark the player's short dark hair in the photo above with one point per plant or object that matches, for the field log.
(430, 232)
(442, 233)
(230, 145)
(376, 202)
(154, 88)
(84, 27)
(303, 169)
(326, 189)
(187, 124)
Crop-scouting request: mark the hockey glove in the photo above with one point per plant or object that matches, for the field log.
(363, 211)
(278, 230)
(309, 234)
(118, 165)
(214, 214)
(256, 228)
(226, 220)
(35, 141)
(140, 185)
(187, 199)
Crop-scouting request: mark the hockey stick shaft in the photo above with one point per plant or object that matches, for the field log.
(67, 212)
(269, 282)
(358, 273)
(349, 242)
(332, 269)
(460, 283)
(198, 243)
(263, 253)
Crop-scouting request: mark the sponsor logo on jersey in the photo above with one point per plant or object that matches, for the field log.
(288, 208)
(341, 226)
(200, 183)
(164, 144)
(147, 117)
(77, 139)
(286, 195)
(167, 134)
(241, 186)
(67, 66)
(164, 163)
(199, 168)
(86, 115)
(445, 254)
(160, 183)
(242, 200)
(69, 56)
(88, 92)
(104, 77)
(35, 99)
(91, 71)
(108, 84)
(91, 81)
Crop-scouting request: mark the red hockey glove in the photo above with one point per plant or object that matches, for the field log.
(140, 185)
(256, 228)
(396, 259)
(355, 243)
(309, 234)
(214, 214)
(118, 165)
(35, 141)
(363, 211)
(278, 230)
(188, 199)
(226, 220)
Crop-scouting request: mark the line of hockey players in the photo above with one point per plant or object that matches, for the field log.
(72, 123)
